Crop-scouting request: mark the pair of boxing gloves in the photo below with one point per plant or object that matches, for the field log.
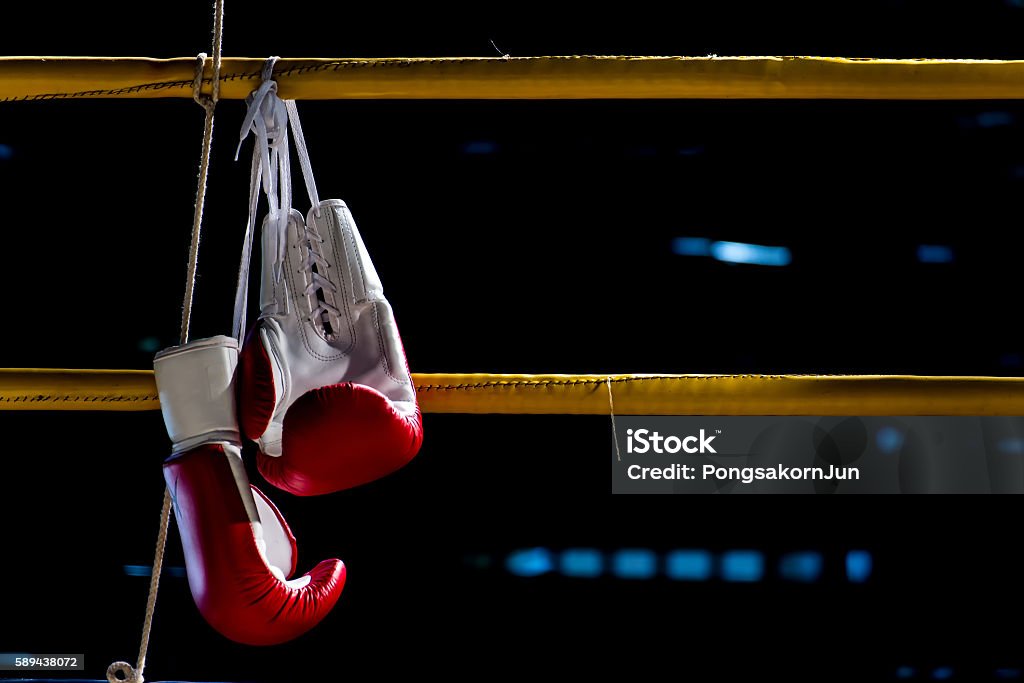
(322, 385)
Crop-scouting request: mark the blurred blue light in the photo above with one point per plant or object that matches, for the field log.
(804, 566)
(994, 119)
(6, 152)
(8, 660)
(645, 151)
(584, 563)
(480, 147)
(478, 561)
(149, 344)
(942, 673)
(858, 566)
(1011, 360)
(691, 246)
(1011, 446)
(905, 672)
(146, 570)
(889, 439)
(753, 254)
(934, 253)
(1007, 674)
(691, 151)
(529, 562)
(634, 564)
(688, 565)
(742, 565)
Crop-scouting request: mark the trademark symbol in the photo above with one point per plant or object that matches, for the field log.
(718, 431)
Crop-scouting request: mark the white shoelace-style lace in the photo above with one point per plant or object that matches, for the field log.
(268, 118)
(315, 263)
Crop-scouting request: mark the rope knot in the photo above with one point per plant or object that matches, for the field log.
(207, 102)
(123, 672)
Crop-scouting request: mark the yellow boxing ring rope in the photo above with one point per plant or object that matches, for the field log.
(579, 77)
(135, 390)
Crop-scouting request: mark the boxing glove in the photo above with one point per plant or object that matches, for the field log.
(239, 551)
(323, 384)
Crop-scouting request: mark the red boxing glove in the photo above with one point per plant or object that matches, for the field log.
(323, 384)
(239, 550)
(238, 557)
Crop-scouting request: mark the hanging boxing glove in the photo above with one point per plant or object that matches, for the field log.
(239, 551)
(323, 384)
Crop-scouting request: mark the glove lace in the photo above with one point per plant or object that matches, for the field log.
(320, 290)
(268, 118)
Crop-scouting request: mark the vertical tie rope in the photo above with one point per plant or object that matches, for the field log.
(122, 672)
(611, 410)
(208, 103)
(154, 584)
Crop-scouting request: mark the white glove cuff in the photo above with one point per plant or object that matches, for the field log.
(197, 392)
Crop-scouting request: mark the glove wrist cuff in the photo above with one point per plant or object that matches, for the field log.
(196, 385)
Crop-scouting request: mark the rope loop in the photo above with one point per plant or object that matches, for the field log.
(207, 102)
(123, 672)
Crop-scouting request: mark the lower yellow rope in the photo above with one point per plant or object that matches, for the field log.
(133, 390)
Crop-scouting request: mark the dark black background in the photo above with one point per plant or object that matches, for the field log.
(549, 254)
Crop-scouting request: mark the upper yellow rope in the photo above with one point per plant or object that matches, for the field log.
(580, 77)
